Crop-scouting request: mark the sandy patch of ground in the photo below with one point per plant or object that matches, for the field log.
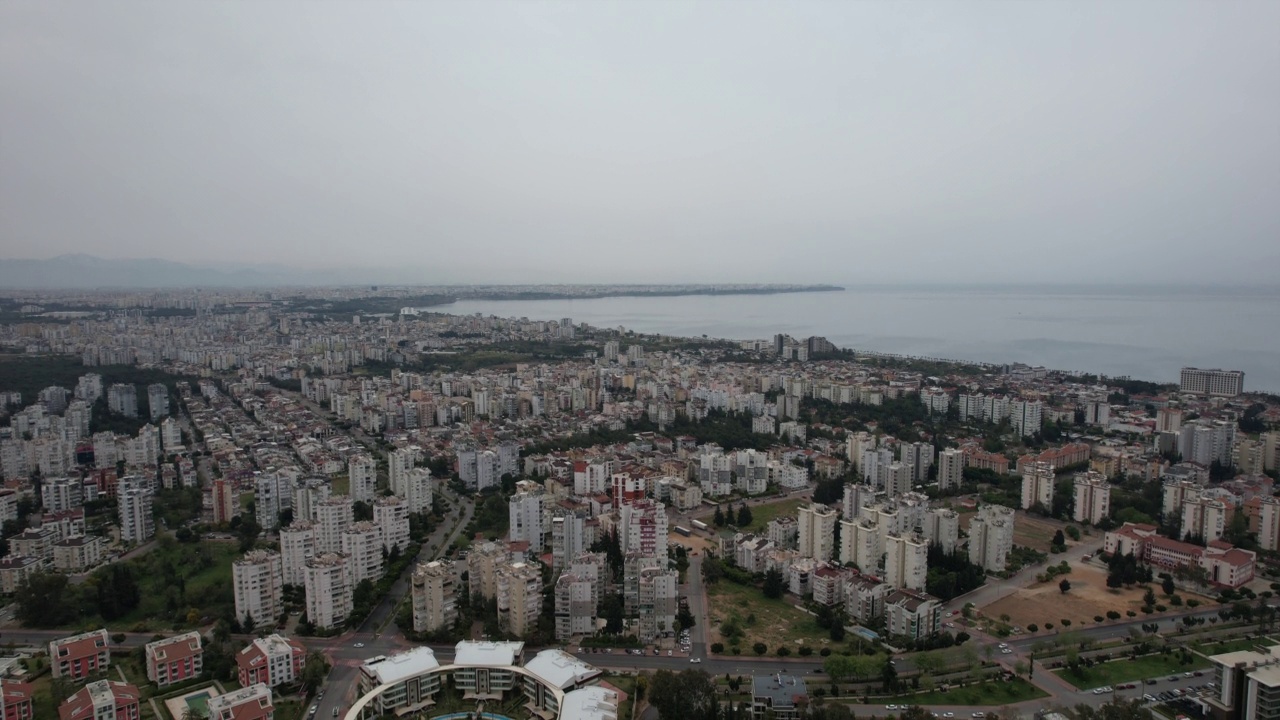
(1089, 596)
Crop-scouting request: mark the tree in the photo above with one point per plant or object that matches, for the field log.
(686, 695)
(760, 648)
(1166, 585)
(613, 614)
(684, 619)
(773, 584)
(1064, 585)
(1059, 538)
(718, 518)
(46, 600)
(839, 667)
(314, 670)
(1149, 597)
(744, 516)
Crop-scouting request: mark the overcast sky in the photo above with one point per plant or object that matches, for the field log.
(650, 141)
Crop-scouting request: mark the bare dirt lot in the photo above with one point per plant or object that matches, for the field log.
(1035, 532)
(1089, 596)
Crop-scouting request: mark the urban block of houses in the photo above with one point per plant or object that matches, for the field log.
(103, 699)
(79, 656)
(174, 659)
(272, 660)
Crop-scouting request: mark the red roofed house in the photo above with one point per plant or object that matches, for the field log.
(79, 656)
(272, 660)
(102, 700)
(250, 703)
(1225, 564)
(17, 700)
(174, 659)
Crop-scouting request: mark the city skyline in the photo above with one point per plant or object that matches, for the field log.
(679, 143)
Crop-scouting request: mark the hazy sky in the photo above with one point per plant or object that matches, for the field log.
(650, 141)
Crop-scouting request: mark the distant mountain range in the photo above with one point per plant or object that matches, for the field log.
(88, 271)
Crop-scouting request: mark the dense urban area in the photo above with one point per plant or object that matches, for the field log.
(339, 503)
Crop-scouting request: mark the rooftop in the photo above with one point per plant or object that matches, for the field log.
(590, 703)
(487, 654)
(394, 668)
(782, 690)
(559, 668)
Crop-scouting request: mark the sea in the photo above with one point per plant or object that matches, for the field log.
(1145, 333)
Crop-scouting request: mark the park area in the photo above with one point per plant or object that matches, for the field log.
(775, 623)
(1088, 597)
(1128, 670)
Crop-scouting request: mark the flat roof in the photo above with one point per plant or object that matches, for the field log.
(487, 654)
(1268, 676)
(560, 669)
(394, 668)
(590, 703)
(782, 690)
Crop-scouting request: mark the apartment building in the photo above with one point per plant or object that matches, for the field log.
(433, 589)
(391, 515)
(61, 494)
(950, 469)
(657, 603)
(133, 503)
(16, 700)
(643, 527)
(519, 597)
(576, 603)
(362, 545)
(247, 703)
(1204, 517)
(568, 536)
(781, 697)
(1026, 416)
(817, 527)
(329, 588)
(175, 659)
(991, 537)
(226, 501)
(257, 580)
(1269, 522)
(297, 545)
(362, 472)
(1037, 486)
(103, 700)
(15, 569)
(906, 561)
(79, 656)
(1093, 498)
(912, 614)
(1246, 685)
(273, 660)
(525, 515)
(941, 527)
(333, 517)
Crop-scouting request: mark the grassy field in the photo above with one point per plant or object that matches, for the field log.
(762, 514)
(1126, 670)
(987, 693)
(775, 623)
(178, 579)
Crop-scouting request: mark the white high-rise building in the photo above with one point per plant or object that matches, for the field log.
(1207, 441)
(991, 537)
(1269, 523)
(307, 495)
(400, 463)
(1037, 485)
(62, 494)
(896, 479)
(133, 503)
(643, 528)
(856, 497)
(657, 603)
(525, 514)
(1093, 498)
(1026, 416)
(297, 546)
(519, 594)
(942, 528)
(258, 583)
(918, 458)
(270, 491)
(419, 493)
(171, 436)
(872, 461)
(391, 515)
(329, 589)
(568, 537)
(1204, 517)
(434, 596)
(860, 544)
(362, 471)
(122, 399)
(950, 469)
(333, 517)
(1220, 383)
(906, 561)
(158, 400)
(362, 544)
(817, 528)
(576, 603)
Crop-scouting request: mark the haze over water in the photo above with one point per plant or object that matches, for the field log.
(1146, 333)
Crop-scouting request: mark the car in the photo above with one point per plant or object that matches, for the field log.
(948, 714)
(1198, 674)
(695, 660)
(335, 712)
(1007, 651)
(1152, 681)
(1173, 678)
(668, 653)
(359, 645)
(1149, 697)
(313, 709)
(978, 714)
(890, 707)
(1003, 645)
(1187, 674)
(950, 624)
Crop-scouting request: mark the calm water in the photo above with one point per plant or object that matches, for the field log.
(1145, 333)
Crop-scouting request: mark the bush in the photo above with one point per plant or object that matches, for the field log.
(1130, 613)
(824, 652)
(1033, 628)
(784, 651)
(1161, 608)
(805, 650)
(760, 648)
(1113, 615)
(1098, 618)
(736, 650)
(1175, 601)
(717, 648)
(1193, 603)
